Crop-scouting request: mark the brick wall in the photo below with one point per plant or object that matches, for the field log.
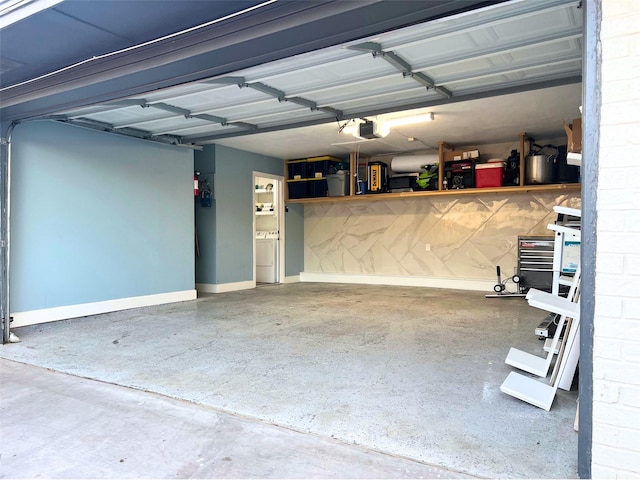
(616, 350)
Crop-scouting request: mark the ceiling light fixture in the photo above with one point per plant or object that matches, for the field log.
(381, 128)
(396, 122)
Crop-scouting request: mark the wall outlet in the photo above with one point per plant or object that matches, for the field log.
(427, 247)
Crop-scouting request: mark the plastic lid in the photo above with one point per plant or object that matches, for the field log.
(481, 166)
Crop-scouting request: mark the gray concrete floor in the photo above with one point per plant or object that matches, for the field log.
(56, 425)
(410, 372)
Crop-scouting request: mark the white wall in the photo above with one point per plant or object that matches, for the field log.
(468, 236)
(616, 349)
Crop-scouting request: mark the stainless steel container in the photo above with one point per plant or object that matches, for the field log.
(540, 169)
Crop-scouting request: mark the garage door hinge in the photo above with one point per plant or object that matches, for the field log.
(3, 141)
(3, 243)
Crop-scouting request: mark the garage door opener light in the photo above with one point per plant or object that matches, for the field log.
(381, 128)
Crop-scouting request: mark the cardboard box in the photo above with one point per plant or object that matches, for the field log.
(574, 135)
(470, 154)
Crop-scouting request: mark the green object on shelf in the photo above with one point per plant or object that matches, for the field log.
(431, 172)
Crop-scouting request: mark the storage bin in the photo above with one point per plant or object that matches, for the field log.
(297, 169)
(298, 188)
(317, 187)
(338, 184)
(489, 174)
(320, 167)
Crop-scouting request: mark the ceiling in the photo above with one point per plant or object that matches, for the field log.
(486, 74)
(74, 31)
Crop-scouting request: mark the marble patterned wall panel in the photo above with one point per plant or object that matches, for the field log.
(409, 227)
(467, 235)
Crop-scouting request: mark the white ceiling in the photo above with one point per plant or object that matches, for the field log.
(475, 122)
(486, 75)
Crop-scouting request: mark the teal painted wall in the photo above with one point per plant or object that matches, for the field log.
(228, 226)
(205, 163)
(294, 234)
(96, 216)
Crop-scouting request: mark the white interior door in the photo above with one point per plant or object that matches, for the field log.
(268, 228)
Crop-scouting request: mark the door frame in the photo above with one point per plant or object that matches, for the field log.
(278, 182)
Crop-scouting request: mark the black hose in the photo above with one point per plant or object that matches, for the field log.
(542, 147)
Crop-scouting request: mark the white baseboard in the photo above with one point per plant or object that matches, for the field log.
(292, 279)
(399, 280)
(224, 287)
(32, 317)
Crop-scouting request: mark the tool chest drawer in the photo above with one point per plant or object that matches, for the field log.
(535, 261)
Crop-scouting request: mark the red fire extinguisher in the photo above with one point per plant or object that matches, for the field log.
(196, 186)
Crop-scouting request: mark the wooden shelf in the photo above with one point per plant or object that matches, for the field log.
(446, 153)
(562, 187)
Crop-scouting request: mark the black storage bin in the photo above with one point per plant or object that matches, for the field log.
(298, 188)
(297, 169)
(319, 167)
(318, 187)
